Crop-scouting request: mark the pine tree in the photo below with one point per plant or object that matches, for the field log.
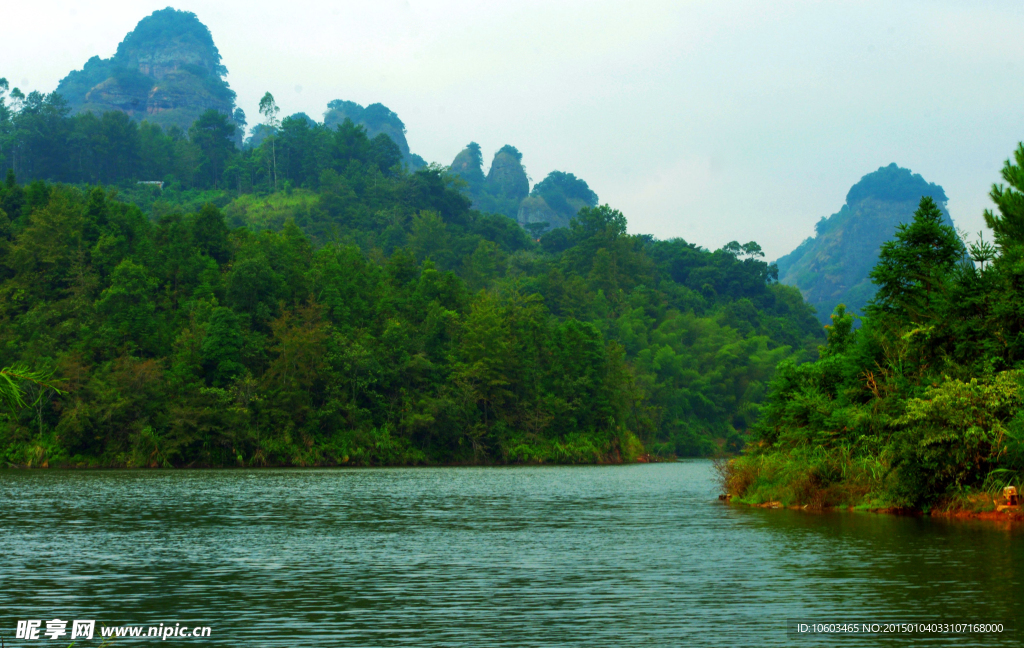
(1008, 226)
(913, 267)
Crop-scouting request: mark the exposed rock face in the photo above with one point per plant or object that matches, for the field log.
(507, 177)
(535, 209)
(469, 165)
(167, 71)
(376, 119)
(556, 200)
(500, 192)
(832, 267)
(506, 188)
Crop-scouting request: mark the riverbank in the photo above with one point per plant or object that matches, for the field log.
(1012, 514)
(761, 481)
(375, 448)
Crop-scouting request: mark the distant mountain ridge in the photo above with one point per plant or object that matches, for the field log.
(168, 71)
(832, 267)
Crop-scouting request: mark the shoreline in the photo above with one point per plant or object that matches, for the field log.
(644, 459)
(1007, 514)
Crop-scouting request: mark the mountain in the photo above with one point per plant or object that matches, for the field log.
(167, 71)
(469, 164)
(506, 189)
(507, 177)
(505, 185)
(832, 267)
(555, 200)
(376, 119)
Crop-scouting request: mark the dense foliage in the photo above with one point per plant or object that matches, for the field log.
(360, 313)
(894, 184)
(40, 139)
(376, 119)
(922, 406)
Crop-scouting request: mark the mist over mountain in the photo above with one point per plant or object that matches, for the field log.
(832, 267)
(167, 71)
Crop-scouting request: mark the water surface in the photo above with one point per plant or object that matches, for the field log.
(544, 556)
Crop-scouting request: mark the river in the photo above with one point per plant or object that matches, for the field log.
(641, 555)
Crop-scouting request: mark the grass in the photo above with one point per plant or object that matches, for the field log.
(814, 478)
(837, 478)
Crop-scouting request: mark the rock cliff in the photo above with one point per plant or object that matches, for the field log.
(507, 177)
(167, 71)
(502, 189)
(832, 267)
(506, 188)
(555, 200)
(469, 165)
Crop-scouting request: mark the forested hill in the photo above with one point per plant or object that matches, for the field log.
(372, 318)
(832, 267)
(315, 298)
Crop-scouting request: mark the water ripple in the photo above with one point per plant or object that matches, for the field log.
(587, 556)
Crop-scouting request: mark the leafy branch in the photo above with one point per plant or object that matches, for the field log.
(13, 378)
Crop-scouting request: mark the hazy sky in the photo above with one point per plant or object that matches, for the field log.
(712, 121)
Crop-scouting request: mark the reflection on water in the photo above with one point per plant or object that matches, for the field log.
(596, 556)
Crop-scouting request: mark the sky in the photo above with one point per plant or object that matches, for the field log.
(711, 121)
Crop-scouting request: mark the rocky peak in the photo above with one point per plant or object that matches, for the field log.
(165, 42)
(167, 70)
(507, 177)
(556, 200)
(506, 189)
(469, 164)
(894, 184)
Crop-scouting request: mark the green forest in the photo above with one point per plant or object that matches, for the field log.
(921, 406)
(313, 301)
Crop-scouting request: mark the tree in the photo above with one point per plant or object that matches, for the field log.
(602, 222)
(222, 347)
(127, 305)
(214, 134)
(269, 110)
(912, 268)
(536, 229)
(210, 234)
(240, 123)
(1008, 226)
(5, 118)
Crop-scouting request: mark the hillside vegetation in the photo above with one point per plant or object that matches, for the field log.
(360, 313)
